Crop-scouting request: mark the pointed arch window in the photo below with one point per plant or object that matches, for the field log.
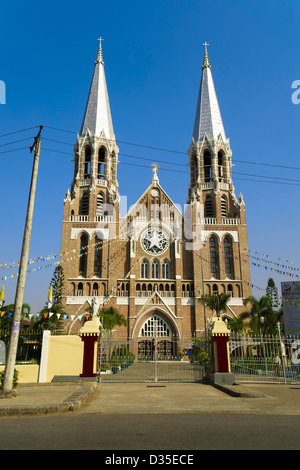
(155, 269)
(165, 268)
(144, 269)
(87, 163)
(155, 326)
(95, 289)
(101, 163)
(208, 207)
(83, 255)
(221, 165)
(100, 200)
(224, 207)
(80, 289)
(207, 167)
(215, 289)
(214, 257)
(228, 259)
(84, 204)
(98, 257)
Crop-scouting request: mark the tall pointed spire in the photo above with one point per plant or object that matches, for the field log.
(97, 116)
(208, 118)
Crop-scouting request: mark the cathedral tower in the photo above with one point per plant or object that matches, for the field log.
(221, 264)
(91, 206)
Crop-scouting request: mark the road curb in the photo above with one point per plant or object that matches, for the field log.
(239, 391)
(72, 402)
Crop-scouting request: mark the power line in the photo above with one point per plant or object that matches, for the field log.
(174, 151)
(16, 132)
(186, 172)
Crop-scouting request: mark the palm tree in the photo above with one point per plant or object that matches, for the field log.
(216, 302)
(263, 319)
(110, 317)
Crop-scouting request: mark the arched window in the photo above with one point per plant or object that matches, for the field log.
(155, 326)
(207, 167)
(144, 269)
(87, 163)
(83, 254)
(144, 290)
(165, 270)
(84, 204)
(221, 163)
(138, 290)
(101, 163)
(95, 289)
(167, 290)
(100, 200)
(228, 258)
(214, 258)
(155, 269)
(215, 289)
(230, 290)
(80, 289)
(195, 168)
(98, 257)
(208, 207)
(224, 207)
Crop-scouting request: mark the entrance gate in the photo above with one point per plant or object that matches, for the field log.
(161, 359)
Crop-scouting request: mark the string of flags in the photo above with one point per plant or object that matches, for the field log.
(82, 251)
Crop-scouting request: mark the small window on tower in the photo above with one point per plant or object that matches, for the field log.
(221, 161)
(101, 163)
(87, 163)
(84, 204)
(224, 206)
(208, 208)
(100, 200)
(207, 167)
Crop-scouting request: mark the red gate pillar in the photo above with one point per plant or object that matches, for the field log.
(89, 335)
(221, 358)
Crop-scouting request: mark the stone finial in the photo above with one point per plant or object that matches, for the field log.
(154, 179)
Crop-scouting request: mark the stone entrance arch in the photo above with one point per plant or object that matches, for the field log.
(157, 337)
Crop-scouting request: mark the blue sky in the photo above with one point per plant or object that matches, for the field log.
(153, 55)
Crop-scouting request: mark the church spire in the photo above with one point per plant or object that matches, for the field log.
(97, 116)
(208, 118)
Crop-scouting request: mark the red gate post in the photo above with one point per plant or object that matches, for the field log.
(221, 373)
(89, 335)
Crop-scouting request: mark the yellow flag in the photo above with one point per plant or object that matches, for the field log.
(2, 293)
(50, 295)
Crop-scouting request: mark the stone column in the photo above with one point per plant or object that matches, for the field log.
(89, 334)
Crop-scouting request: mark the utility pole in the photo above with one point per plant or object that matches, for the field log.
(14, 336)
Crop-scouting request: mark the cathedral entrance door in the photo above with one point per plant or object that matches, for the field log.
(146, 350)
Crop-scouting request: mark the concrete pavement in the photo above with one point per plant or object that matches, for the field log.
(85, 397)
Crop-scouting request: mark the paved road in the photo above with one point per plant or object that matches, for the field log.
(207, 431)
(176, 417)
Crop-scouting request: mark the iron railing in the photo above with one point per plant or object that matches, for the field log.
(265, 358)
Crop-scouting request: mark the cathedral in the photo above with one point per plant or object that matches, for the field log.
(154, 263)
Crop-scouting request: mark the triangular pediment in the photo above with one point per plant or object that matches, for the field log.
(155, 300)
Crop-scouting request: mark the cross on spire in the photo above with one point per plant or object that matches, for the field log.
(205, 59)
(100, 55)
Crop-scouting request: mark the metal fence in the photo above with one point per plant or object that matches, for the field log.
(151, 359)
(29, 346)
(265, 359)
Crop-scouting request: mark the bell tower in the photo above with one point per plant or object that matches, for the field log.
(221, 264)
(91, 205)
